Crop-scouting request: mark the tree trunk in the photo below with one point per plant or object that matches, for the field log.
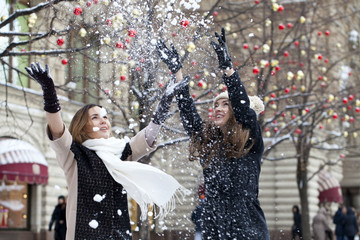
(303, 192)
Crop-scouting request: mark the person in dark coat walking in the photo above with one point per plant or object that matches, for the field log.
(229, 148)
(351, 227)
(296, 228)
(59, 218)
(338, 220)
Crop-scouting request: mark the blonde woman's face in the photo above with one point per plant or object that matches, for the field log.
(98, 125)
(222, 112)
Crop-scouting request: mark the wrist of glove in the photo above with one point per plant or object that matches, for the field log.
(162, 110)
(42, 76)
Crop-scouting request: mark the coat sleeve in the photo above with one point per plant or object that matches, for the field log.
(190, 118)
(138, 147)
(64, 155)
(240, 103)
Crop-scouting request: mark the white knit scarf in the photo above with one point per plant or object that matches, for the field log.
(144, 183)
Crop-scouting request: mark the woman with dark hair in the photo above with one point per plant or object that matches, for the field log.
(351, 227)
(296, 227)
(229, 149)
(98, 167)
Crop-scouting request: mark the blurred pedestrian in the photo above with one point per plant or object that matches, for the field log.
(101, 170)
(320, 225)
(351, 226)
(296, 228)
(59, 218)
(338, 220)
(229, 149)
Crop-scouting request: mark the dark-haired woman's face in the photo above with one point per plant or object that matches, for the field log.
(98, 125)
(222, 112)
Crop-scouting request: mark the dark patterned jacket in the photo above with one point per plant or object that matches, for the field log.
(231, 209)
(87, 176)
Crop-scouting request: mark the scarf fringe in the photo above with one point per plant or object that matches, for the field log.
(166, 208)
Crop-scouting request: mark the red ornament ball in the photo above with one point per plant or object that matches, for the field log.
(60, 41)
(131, 32)
(64, 61)
(256, 70)
(185, 23)
(122, 78)
(77, 11)
(120, 45)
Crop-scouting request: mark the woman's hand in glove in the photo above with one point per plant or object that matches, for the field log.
(170, 57)
(42, 76)
(222, 51)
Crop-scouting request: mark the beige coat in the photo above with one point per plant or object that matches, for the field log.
(320, 225)
(67, 162)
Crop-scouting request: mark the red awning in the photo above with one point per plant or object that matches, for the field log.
(329, 188)
(20, 160)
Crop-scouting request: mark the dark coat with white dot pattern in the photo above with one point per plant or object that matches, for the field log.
(231, 209)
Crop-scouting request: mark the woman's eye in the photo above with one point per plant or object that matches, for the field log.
(105, 117)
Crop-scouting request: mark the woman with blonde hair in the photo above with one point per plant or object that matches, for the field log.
(100, 170)
(229, 149)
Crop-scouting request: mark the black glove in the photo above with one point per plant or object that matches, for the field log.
(170, 57)
(222, 51)
(51, 102)
(183, 84)
(163, 107)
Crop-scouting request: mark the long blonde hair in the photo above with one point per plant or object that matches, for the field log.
(79, 122)
(233, 140)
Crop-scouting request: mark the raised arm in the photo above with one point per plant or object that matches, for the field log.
(51, 102)
(237, 93)
(189, 116)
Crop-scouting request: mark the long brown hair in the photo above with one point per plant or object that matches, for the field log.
(78, 123)
(233, 140)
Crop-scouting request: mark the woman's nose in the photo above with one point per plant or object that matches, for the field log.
(102, 120)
